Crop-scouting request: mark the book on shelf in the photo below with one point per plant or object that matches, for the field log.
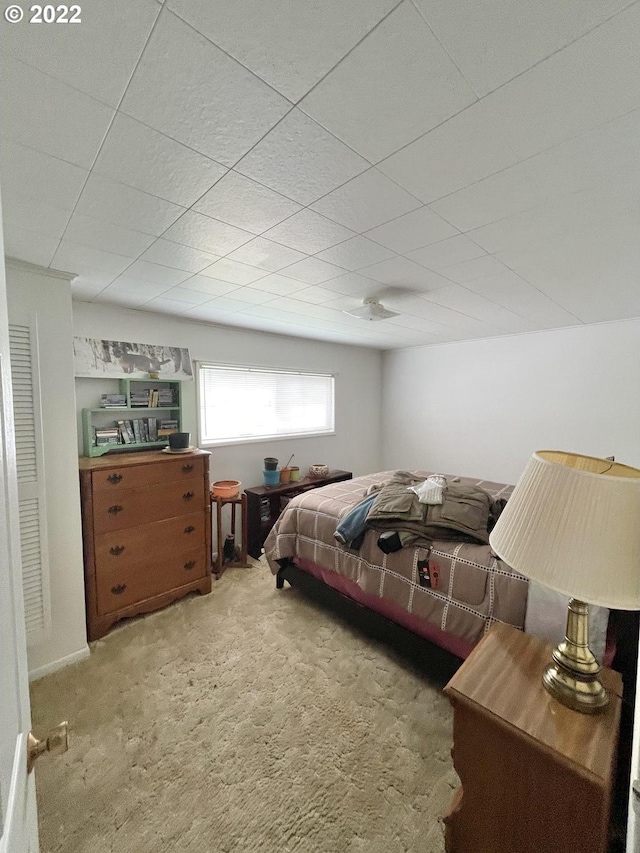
(105, 436)
(113, 401)
(126, 431)
(137, 432)
(163, 432)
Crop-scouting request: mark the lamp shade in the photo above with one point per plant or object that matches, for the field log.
(573, 524)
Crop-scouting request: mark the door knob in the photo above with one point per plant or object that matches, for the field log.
(56, 743)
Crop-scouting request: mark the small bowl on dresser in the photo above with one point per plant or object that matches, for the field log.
(318, 470)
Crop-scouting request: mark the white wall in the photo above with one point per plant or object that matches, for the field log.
(356, 445)
(480, 408)
(32, 291)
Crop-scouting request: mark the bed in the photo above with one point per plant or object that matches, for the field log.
(449, 593)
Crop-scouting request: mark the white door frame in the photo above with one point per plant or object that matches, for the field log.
(18, 820)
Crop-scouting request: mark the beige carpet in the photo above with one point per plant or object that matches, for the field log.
(246, 720)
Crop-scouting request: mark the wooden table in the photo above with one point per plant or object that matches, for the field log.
(536, 776)
(265, 503)
(220, 564)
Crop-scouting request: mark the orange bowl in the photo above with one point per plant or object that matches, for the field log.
(225, 488)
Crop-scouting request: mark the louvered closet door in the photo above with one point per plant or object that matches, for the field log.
(28, 433)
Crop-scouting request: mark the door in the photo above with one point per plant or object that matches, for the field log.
(18, 823)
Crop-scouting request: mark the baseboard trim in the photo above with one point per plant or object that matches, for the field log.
(55, 665)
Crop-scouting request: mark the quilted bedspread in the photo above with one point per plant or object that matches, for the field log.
(458, 588)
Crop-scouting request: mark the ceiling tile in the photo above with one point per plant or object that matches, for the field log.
(459, 152)
(401, 272)
(266, 255)
(28, 246)
(182, 293)
(208, 314)
(454, 250)
(228, 304)
(39, 176)
(605, 154)
(252, 296)
(460, 326)
(355, 253)
(588, 83)
(412, 231)
(59, 120)
(240, 201)
(353, 284)
(397, 84)
(208, 235)
(290, 45)
(121, 298)
(138, 287)
(492, 41)
(591, 273)
(179, 257)
(126, 206)
(164, 305)
(234, 108)
(301, 160)
(95, 264)
(472, 304)
(607, 157)
(228, 270)
(427, 327)
(308, 232)
(83, 290)
(475, 268)
(366, 201)
(96, 56)
(278, 285)
(147, 160)
(516, 294)
(156, 273)
(316, 295)
(36, 216)
(210, 286)
(99, 234)
(312, 271)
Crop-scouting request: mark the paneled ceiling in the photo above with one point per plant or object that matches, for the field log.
(268, 164)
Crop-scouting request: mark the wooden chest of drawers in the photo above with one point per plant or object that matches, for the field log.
(146, 523)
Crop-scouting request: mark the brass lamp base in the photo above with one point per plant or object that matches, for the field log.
(572, 677)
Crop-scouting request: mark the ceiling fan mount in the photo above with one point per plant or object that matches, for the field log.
(372, 309)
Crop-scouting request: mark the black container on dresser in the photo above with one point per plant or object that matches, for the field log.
(146, 525)
(265, 503)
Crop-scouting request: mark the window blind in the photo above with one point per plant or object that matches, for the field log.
(246, 404)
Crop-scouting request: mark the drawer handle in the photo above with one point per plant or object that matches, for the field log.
(187, 468)
(189, 529)
(187, 496)
(190, 564)
(115, 509)
(116, 550)
(118, 590)
(114, 478)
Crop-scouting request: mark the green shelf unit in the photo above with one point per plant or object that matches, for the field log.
(108, 417)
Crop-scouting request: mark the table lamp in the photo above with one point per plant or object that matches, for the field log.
(573, 524)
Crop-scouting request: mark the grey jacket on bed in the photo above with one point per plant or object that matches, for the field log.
(463, 516)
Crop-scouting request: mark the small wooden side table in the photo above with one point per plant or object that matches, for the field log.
(220, 564)
(536, 776)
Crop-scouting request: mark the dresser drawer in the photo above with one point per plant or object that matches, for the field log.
(133, 507)
(120, 586)
(119, 479)
(149, 541)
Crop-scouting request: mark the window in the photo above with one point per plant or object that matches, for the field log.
(250, 404)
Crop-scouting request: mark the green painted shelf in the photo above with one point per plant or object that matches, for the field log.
(107, 418)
